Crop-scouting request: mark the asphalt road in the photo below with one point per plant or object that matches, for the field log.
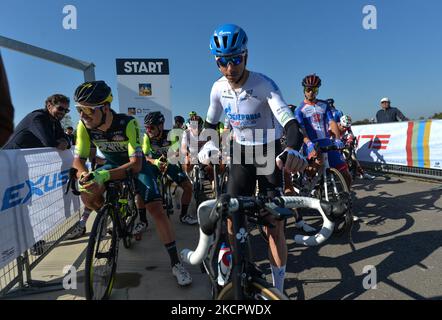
(399, 236)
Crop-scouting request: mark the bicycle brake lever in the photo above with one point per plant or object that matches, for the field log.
(280, 213)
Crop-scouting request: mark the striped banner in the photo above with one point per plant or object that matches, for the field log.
(413, 143)
(418, 144)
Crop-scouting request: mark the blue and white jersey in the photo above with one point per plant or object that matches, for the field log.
(257, 105)
(314, 118)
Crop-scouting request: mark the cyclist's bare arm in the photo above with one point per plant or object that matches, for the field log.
(80, 165)
(135, 164)
(334, 129)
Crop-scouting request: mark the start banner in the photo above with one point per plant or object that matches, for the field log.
(412, 144)
(33, 202)
(143, 87)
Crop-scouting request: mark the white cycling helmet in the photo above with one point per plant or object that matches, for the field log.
(345, 121)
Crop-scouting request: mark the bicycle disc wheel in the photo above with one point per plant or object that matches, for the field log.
(257, 290)
(101, 257)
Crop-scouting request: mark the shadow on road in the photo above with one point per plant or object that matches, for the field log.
(404, 252)
(382, 214)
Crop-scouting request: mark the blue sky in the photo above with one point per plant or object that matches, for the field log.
(287, 40)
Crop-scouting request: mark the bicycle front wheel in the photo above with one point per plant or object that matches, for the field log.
(337, 189)
(101, 256)
(257, 290)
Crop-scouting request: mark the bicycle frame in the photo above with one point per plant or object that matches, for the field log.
(320, 177)
(118, 194)
(241, 257)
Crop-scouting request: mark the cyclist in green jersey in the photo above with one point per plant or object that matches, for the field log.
(117, 137)
(155, 147)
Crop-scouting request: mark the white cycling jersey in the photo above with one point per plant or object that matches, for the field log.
(257, 105)
(190, 141)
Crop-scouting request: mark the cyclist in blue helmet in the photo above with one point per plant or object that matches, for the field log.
(253, 104)
(229, 45)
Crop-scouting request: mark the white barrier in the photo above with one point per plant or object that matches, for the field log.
(32, 200)
(412, 144)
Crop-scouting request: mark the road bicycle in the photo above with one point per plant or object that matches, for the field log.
(327, 184)
(247, 281)
(114, 222)
(349, 153)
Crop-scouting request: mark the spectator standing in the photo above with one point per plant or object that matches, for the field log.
(70, 135)
(388, 113)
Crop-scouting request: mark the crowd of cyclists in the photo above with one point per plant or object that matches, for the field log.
(251, 103)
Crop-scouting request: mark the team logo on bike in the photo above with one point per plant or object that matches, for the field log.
(242, 235)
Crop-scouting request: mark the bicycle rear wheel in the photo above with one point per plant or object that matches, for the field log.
(101, 256)
(257, 290)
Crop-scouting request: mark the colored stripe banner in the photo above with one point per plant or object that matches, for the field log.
(413, 143)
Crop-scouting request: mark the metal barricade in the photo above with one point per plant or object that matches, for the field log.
(424, 173)
(16, 277)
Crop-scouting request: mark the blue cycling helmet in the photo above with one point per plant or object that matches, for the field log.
(227, 40)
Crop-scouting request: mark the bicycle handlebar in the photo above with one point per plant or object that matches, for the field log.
(210, 211)
(73, 177)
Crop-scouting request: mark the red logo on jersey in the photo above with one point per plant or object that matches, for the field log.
(316, 118)
(376, 141)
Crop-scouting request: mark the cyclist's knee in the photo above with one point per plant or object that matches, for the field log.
(92, 201)
(155, 209)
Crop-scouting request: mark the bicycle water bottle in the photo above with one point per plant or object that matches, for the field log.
(224, 264)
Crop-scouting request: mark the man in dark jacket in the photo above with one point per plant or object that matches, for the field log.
(70, 135)
(388, 113)
(42, 128)
(6, 108)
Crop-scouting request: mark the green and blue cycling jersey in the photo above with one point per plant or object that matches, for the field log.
(154, 148)
(118, 144)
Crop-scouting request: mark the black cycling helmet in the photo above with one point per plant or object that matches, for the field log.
(154, 118)
(179, 119)
(93, 93)
(311, 81)
(330, 102)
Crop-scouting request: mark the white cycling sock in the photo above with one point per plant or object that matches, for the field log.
(278, 275)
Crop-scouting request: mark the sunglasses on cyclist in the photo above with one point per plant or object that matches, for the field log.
(224, 61)
(150, 127)
(88, 110)
(62, 109)
(309, 89)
